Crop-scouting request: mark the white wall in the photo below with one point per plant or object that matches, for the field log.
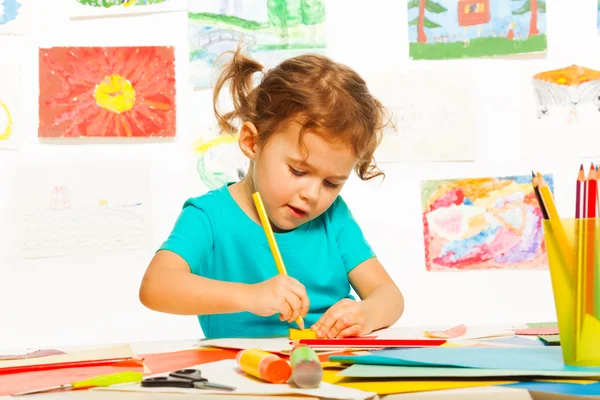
(79, 300)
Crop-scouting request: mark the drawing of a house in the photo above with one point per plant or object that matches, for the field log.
(443, 29)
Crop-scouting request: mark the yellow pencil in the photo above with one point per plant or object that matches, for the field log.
(557, 227)
(266, 224)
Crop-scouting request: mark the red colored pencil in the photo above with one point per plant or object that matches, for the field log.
(590, 239)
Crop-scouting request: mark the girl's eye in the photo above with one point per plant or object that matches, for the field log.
(296, 172)
(331, 185)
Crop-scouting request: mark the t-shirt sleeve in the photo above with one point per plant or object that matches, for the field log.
(191, 237)
(352, 244)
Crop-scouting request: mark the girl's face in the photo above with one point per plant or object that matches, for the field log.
(299, 181)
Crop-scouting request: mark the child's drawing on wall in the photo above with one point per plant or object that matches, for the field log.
(482, 223)
(446, 29)
(270, 30)
(567, 92)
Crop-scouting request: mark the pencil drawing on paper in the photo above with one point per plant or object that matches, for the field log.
(446, 29)
(482, 223)
(107, 92)
(9, 9)
(219, 160)
(271, 30)
(63, 228)
(567, 90)
(121, 3)
(6, 122)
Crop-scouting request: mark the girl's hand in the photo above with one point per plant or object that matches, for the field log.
(282, 295)
(345, 318)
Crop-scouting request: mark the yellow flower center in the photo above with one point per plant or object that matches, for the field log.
(115, 94)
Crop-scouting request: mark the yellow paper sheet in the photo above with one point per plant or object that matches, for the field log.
(383, 387)
(123, 351)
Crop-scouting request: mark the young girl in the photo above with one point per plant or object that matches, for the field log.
(305, 127)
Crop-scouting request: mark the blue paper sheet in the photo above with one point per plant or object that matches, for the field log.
(591, 389)
(521, 358)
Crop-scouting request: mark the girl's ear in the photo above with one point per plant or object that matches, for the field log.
(248, 140)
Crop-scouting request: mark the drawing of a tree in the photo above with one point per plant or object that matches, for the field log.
(284, 14)
(313, 13)
(532, 6)
(422, 21)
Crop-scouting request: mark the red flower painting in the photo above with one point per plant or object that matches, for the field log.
(107, 92)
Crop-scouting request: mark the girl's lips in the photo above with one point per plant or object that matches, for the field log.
(296, 212)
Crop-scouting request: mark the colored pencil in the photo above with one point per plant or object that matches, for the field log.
(266, 224)
(557, 227)
(536, 190)
(580, 211)
(590, 240)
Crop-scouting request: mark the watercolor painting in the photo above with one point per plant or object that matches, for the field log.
(219, 160)
(483, 223)
(10, 127)
(102, 8)
(107, 92)
(447, 29)
(84, 208)
(430, 116)
(270, 30)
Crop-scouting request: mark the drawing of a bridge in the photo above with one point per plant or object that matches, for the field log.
(207, 38)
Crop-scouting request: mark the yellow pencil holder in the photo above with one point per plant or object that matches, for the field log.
(573, 258)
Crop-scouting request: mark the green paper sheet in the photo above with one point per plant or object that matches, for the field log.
(385, 371)
(549, 340)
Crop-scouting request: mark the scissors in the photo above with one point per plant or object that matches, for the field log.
(184, 378)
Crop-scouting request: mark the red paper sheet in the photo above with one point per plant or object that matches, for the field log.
(157, 363)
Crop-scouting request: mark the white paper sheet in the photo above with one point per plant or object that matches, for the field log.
(11, 128)
(17, 16)
(83, 208)
(227, 372)
(94, 8)
(473, 332)
(435, 117)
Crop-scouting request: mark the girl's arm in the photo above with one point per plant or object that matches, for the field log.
(383, 302)
(381, 306)
(169, 286)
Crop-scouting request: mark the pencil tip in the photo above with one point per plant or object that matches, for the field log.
(581, 167)
(532, 173)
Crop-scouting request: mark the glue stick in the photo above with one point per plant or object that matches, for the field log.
(264, 365)
(307, 371)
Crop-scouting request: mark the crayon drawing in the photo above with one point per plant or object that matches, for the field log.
(219, 160)
(447, 29)
(16, 16)
(10, 127)
(107, 92)
(271, 30)
(431, 114)
(88, 208)
(567, 114)
(102, 8)
(482, 223)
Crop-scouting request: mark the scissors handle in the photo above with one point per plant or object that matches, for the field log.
(189, 373)
(164, 381)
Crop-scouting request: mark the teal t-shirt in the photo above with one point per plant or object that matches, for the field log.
(219, 241)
